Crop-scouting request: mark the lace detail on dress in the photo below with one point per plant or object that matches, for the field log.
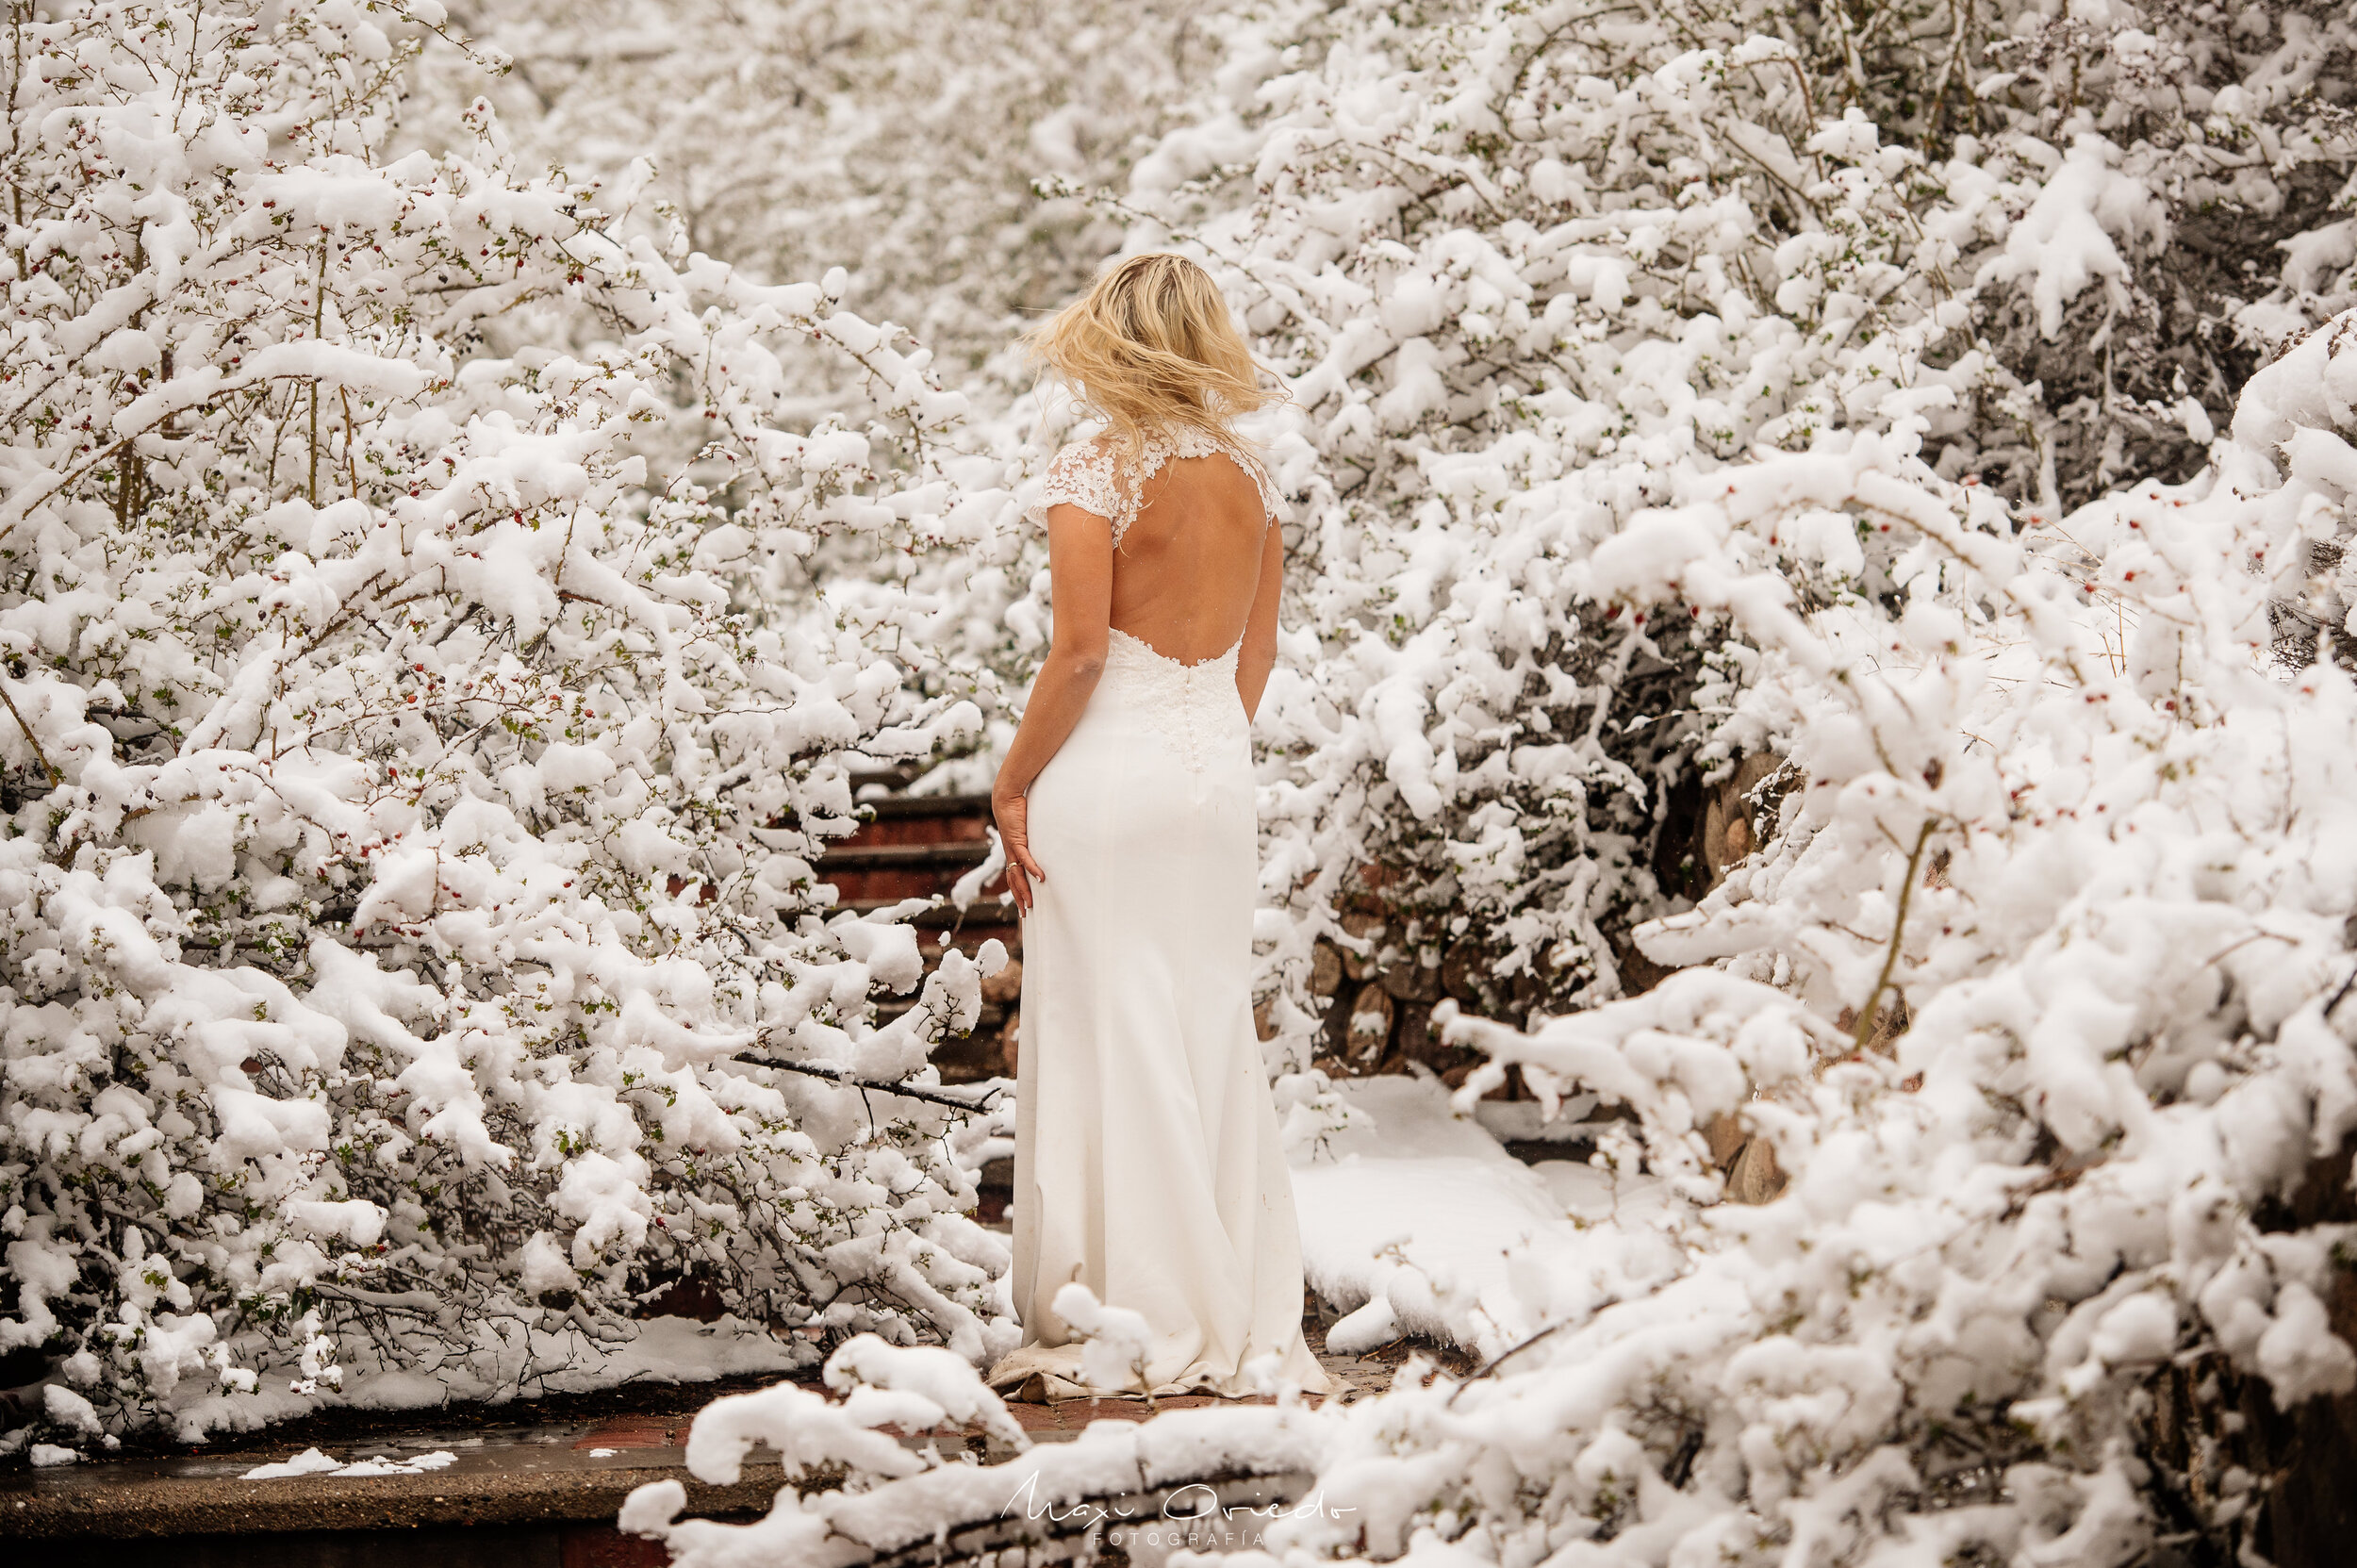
(1089, 476)
(1083, 475)
(1194, 706)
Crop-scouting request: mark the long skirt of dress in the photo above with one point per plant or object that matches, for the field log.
(1149, 1164)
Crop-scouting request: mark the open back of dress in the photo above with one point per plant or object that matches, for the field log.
(1149, 1164)
(1189, 515)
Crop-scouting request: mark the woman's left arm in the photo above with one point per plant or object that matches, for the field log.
(1080, 577)
(1259, 655)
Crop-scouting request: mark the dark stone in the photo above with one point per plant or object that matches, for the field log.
(1412, 980)
(1680, 867)
(1334, 1035)
(693, 1297)
(1639, 974)
(1367, 1039)
(1415, 1035)
(1461, 970)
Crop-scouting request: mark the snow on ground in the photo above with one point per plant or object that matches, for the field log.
(663, 1351)
(311, 1462)
(1422, 1223)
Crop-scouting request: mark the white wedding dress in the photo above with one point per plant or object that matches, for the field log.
(1148, 1161)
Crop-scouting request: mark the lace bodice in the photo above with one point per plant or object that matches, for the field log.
(1194, 706)
(1091, 475)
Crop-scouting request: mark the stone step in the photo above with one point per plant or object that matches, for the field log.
(510, 1495)
(514, 1495)
(537, 1545)
(918, 846)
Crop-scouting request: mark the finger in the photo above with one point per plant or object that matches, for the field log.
(1032, 866)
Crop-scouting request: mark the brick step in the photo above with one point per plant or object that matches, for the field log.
(933, 819)
(901, 807)
(984, 911)
(953, 856)
(918, 846)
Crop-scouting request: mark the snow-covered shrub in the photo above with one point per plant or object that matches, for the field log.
(412, 779)
(1617, 336)
(900, 139)
(2038, 1289)
(2061, 808)
(1530, 268)
(2192, 163)
(1526, 271)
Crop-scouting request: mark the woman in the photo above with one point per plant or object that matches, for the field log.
(1148, 1164)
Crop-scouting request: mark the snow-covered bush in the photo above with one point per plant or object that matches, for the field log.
(900, 139)
(1609, 347)
(2213, 147)
(1525, 268)
(2052, 1258)
(1530, 268)
(2054, 1261)
(412, 775)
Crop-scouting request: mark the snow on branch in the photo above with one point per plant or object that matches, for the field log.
(419, 751)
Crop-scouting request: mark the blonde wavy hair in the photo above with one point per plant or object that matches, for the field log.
(1151, 344)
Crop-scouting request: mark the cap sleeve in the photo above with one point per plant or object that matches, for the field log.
(1246, 455)
(1083, 475)
(1266, 483)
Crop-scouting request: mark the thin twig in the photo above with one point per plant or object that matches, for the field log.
(1898, 933)
(41, 756)
(2341, 995)
(836, 1075)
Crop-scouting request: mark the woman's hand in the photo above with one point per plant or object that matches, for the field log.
(1012, 815)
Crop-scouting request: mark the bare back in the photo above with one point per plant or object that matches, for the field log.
(1186, 571)
(1190, 539)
